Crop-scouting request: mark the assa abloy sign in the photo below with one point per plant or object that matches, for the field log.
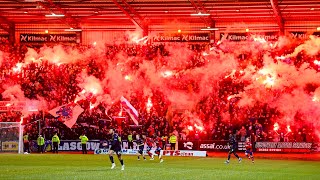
(196, 37)
(48, 38)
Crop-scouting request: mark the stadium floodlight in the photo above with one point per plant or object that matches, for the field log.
(73, 30)
(54, 15)
(209, 29)
(200, 14)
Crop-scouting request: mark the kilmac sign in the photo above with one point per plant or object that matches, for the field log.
(269, 36)
(196, 37)
(303, 35)
(48, 38)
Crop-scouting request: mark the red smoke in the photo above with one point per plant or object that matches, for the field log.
(186, 78)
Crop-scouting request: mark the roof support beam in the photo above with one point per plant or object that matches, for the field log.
(209, 20)
(132, 10)
(212, 22)
(138, 21)
(277, 13)
(67, 19)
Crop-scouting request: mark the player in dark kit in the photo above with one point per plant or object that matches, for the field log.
(249, 152)
(233, 148)
(158, 142)
(115, 148)
(140, 144)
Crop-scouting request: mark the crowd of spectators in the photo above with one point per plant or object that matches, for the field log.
(58, 84)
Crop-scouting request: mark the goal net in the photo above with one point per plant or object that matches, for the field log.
(11, 134)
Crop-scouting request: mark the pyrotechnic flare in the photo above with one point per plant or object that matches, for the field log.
(269, 82)
(17, 68)
(91, 106)
(149, 105)
(288, 128)
(205, 54)
(127, 77)
(276, 126)
(280, 57)
(167, 73)
(200, 128)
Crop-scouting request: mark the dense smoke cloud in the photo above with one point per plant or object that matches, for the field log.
(183, 83)
(63, 55)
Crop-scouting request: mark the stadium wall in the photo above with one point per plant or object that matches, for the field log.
(109, 37)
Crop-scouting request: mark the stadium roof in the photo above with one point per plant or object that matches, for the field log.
(156, 12)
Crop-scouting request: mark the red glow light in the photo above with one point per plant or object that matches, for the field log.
(149, 105)
(200, 128)
(276, 126)
(91, 106)
(289, 129)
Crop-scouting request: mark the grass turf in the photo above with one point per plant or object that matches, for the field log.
(76, 166)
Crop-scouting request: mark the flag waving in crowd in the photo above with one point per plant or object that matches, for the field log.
(133, 113)
(67, 113)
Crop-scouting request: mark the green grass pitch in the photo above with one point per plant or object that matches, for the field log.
(89, 167)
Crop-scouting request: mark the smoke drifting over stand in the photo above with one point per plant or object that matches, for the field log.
(185, 78)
